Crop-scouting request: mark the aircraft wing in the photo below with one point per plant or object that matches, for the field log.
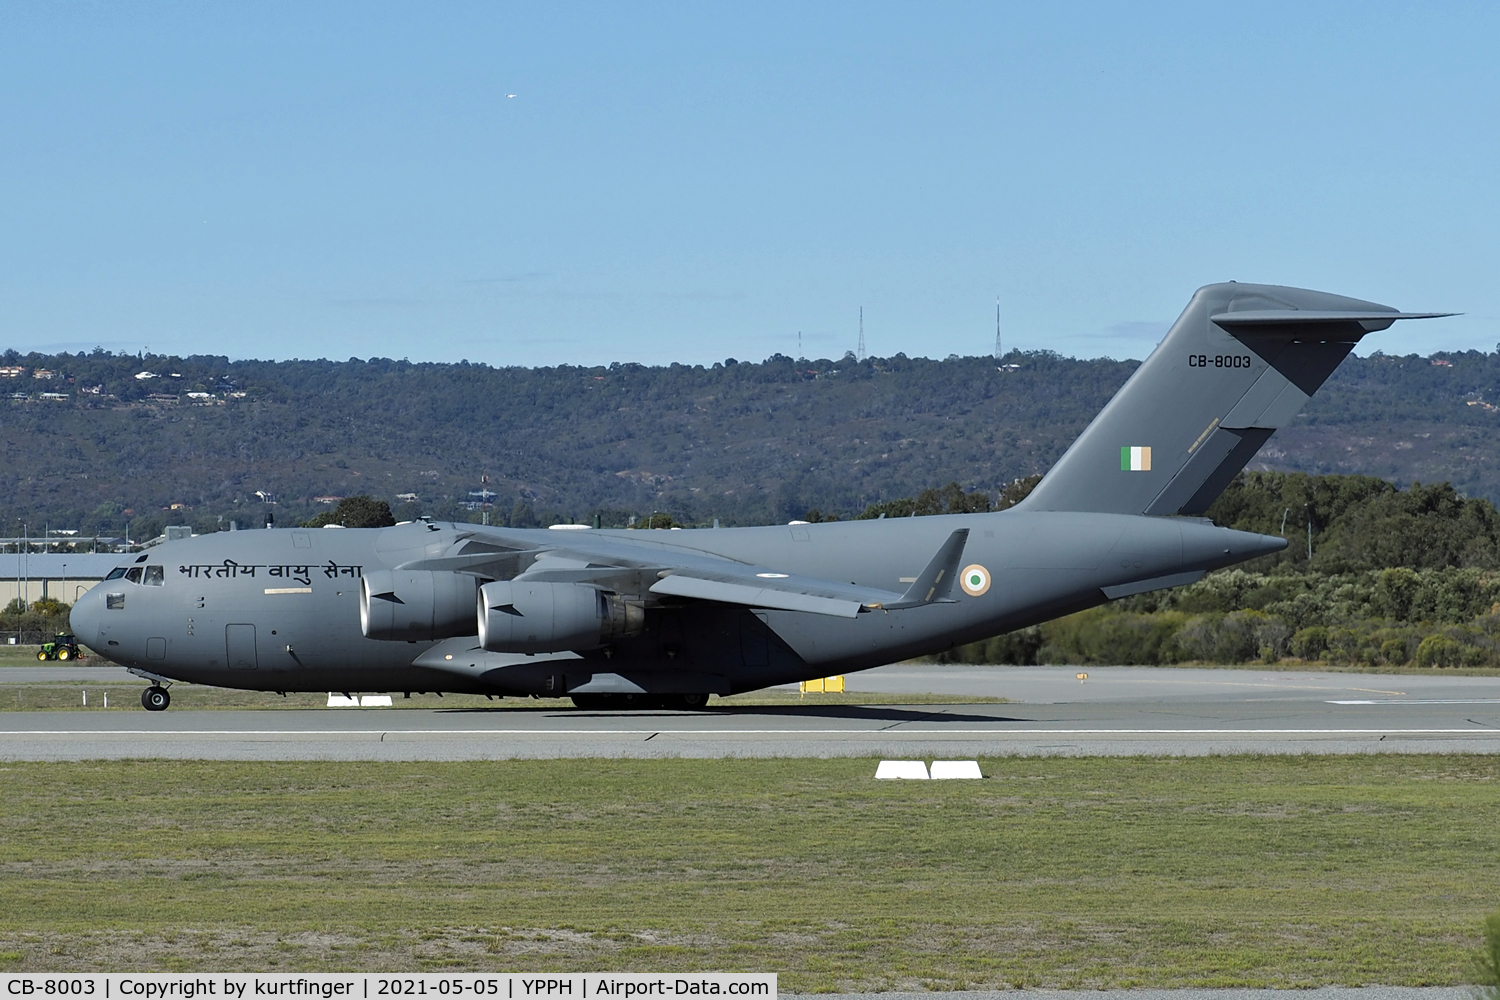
(621, 566)
(757, 587)
(762, 588)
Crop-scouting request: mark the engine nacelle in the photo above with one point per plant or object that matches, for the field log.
(416, 605)
(517, 616)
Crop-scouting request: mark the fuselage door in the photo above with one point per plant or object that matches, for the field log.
(239, 642)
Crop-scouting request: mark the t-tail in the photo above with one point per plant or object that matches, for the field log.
(1239, 363)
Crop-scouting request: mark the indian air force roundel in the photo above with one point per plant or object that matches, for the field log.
(975, 580)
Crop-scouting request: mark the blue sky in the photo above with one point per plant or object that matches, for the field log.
(700, 181)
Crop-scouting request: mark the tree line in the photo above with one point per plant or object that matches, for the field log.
(205, 439)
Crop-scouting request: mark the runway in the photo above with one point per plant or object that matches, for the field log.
(1116, 711)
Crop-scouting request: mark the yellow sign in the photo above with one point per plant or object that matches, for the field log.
(824, 685)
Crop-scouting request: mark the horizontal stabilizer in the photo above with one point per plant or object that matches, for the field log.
(1369, 321)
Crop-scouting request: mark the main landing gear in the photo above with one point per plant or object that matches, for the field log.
(155, 699)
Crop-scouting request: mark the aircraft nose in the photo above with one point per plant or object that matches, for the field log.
(84, 618)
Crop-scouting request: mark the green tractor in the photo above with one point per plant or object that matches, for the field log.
(62, 647)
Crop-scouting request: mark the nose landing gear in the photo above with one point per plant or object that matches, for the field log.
(155, 699)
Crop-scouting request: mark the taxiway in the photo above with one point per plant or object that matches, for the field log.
(1115, 711)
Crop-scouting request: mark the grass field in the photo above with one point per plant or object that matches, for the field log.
(1283, 871)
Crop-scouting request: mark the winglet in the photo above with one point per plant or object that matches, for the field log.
(934, 583)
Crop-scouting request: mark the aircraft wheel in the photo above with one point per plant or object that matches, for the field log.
(691, 702)
(63, 654)
(155, 699)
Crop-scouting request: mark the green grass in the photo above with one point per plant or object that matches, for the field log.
(1257, 871)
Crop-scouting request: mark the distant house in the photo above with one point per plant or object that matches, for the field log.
(327, 501)
(12, 371)
(1442, 363)
(145, 375)
(407, 497)
(43, 373)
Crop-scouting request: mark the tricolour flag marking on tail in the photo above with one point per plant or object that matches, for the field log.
(1135, 459)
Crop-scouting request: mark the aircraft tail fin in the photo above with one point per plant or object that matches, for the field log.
(1239, 363)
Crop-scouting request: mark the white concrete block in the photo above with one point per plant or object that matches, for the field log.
(375, 701)
(339, 701)
(955, 769)
(890, 769)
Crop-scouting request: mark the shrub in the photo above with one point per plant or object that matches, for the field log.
(1018, 648)
(1237, 637)
(1439, 651)
(1395, 651)
(1310, 643)
(1102, 637)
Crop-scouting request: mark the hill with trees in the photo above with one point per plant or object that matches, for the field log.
(105, 442)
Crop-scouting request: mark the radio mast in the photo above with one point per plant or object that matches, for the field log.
(998, 355)
(861, 333)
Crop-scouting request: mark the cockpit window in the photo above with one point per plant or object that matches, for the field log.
(116, 573)
(133, 574)
(154, 576)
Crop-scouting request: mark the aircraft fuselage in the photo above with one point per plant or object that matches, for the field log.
(279, 610)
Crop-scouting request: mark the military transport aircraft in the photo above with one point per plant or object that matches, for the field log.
(636, 618)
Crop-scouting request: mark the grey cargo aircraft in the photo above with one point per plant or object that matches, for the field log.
(621, 618)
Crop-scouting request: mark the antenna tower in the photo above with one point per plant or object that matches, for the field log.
(862, 333)
(998, 355)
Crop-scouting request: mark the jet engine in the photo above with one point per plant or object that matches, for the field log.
(416, 605)
(516, 616)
